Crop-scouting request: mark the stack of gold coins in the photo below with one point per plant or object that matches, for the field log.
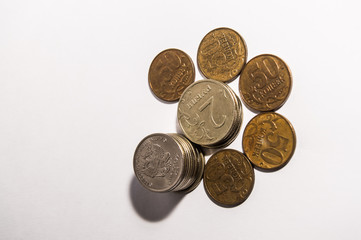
(210, 113)
(168, 162)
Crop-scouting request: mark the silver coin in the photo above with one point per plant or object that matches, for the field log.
(168, 162)
(159, 162)
(210, 113)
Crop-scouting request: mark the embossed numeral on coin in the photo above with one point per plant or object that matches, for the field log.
(167, 64)
(210, 48)
(209, 103)
(279, 141)
(225, 182)
(262, 71)
(272, 155)
(228, 177)
(269, 67)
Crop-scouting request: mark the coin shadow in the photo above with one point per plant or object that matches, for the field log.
(152, 206)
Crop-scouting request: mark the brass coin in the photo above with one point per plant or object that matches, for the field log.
(208, 112)
(228, 177)
(265, 83)
(269, 141)
(222, 54)
(170, 73)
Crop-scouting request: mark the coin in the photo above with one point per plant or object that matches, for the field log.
(222, 54)
(228, 177)
(170, 73)
(197, 164)
(157, 162)
(209, 113)
(168, 162)
(269, 141)
(265, 83)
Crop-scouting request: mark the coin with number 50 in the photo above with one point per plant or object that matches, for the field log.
(269, 141)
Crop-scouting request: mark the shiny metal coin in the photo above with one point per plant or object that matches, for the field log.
(168, 162)
(209, 113)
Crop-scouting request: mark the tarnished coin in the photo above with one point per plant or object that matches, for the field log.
(228, 177)
(265, 83)
(269, 141)
(209, 113)
(222, 54)
(170, 73)
(168, 162)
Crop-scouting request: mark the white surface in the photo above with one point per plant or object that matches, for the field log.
(75, 102)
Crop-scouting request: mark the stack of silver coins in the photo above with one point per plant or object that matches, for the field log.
(168, 162)
(210, 113)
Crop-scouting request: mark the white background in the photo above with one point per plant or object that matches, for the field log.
(75, 102)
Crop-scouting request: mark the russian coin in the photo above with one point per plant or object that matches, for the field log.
(209, 113)
(222, 54)
(170, 73)
(228, 178)
(168, 162)
(197, 164)
(269, 141)
(265, 83)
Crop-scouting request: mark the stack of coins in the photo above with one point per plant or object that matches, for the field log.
(168, 162)
(210, 113)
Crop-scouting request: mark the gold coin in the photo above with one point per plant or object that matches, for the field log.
(228, 177)
(170, 73)
(265, 83)
(269, 141)
(208, 112)
(222, 54)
